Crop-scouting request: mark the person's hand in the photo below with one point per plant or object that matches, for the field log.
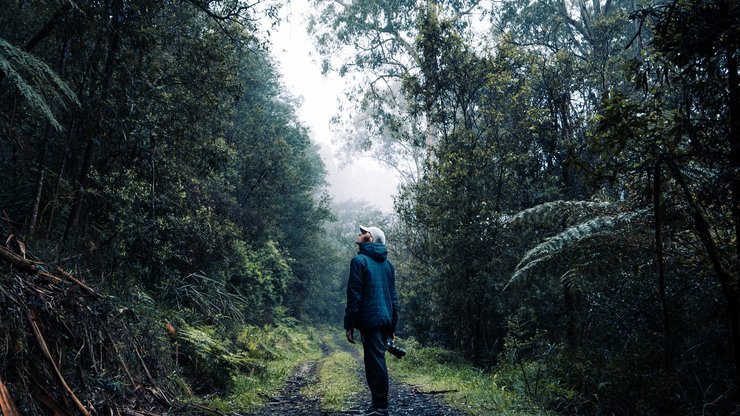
(350, 333)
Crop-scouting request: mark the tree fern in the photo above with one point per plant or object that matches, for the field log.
(574, 236)
(213, 298)
(35, 81)
(554, 212)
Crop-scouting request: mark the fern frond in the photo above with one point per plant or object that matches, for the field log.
(518, 272)
(35, 81)
(573, 236)
(213, 298)
(554, 212)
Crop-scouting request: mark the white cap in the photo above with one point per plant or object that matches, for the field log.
(377, 234)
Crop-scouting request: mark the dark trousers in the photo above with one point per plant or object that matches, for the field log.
(373, 345)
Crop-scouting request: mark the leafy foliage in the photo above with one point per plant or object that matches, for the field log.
(35, 80)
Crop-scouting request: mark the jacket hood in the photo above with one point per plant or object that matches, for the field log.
(376, 251)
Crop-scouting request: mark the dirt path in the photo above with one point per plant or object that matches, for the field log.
(405, 400)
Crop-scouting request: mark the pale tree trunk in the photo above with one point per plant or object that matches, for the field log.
(36, 200)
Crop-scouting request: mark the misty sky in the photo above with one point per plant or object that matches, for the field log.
(299, 63)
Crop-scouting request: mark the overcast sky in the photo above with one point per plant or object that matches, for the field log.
(299, 63)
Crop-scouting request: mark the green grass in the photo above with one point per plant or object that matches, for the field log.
(281, 349)
(475, 391)
(338, 382)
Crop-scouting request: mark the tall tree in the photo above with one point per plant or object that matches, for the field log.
(373, 42)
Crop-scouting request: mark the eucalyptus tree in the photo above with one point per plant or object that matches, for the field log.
(484, 166)
(581, 50)
(578, 52)
(372, 42)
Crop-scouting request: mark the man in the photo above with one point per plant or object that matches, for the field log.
(372, 307)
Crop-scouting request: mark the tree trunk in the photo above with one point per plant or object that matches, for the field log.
(41, 165)
(17, 261)
(60, 176)
(734, 136)
(571, 325)
(36, 200)
(74, 217)
(727, 281)
(658, 214)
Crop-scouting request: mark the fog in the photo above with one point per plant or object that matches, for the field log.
(364, 179)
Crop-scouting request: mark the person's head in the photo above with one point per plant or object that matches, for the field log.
(370, 234)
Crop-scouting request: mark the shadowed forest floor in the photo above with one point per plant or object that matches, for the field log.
(405, 399)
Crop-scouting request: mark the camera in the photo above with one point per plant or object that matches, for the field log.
(393, 349)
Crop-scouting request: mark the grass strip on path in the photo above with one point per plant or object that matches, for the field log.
(338, 384)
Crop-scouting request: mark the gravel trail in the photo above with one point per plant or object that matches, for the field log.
(405, 399)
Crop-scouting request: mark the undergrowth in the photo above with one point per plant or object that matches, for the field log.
(460, 384)
(255, 363)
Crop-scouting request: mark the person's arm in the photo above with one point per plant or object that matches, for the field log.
(354, 296)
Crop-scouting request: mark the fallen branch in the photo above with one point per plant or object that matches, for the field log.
(48, 276)
(79, 283)
(9, 296)
(133, 412)
(207, 409)
(44, 397)
(156, 391)
(417, 391)
(33, 320)
(146, 370)
(29, 266)
(7, 407)
(120, 359)
(18, 262)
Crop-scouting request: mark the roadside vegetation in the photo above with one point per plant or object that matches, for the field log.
(272, 353)
(438, 371)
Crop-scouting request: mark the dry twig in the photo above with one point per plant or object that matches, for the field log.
(33, 320)
(7, 407)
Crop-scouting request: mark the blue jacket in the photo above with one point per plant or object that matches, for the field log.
(372, 302)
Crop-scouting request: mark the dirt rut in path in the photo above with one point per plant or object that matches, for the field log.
(405, 400)
(291, 402)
